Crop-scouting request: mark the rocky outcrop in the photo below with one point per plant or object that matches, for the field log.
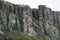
(33, 22)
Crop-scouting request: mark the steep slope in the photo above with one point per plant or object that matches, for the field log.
(17, 35)
(20, 22)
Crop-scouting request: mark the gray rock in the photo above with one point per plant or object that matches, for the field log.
(33, 22)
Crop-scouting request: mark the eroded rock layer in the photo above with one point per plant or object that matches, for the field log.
(33, 22)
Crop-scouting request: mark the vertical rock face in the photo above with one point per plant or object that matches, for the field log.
(33, 22)
(25, 14)
(42, 18)
(27, 20)
(35, 14)
(47, 22)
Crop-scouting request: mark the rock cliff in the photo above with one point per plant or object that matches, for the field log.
(32, 22)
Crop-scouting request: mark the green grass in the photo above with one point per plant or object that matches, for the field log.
(1, 36)
(46, 38)
(16, 35)
(19, 36)
(34, 38)
(40, 38)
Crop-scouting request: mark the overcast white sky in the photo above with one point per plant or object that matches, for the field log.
(53, 4)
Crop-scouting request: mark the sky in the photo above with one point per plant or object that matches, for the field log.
(53, 4)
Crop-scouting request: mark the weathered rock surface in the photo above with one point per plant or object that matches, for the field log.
(33, 22)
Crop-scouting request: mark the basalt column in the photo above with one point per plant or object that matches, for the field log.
(42, 19)
(20, 16)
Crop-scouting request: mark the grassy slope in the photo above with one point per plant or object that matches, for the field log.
(20, 36)
(17, 35)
